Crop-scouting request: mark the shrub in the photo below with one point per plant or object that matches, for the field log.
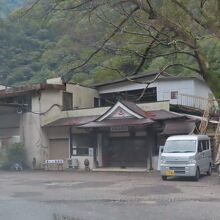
(15, 154)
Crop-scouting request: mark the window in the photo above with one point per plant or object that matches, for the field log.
(81, 144)
(25, 100)
(150, 95)
(180, 146)
(96, 102)
(174, 94)
(205, 144)
(80, 151)
(67, 101)
(200, 146)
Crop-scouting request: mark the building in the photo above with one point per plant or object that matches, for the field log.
(111, 124)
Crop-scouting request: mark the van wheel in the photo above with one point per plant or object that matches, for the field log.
(209, 172)
(164, 177)
(197, 176)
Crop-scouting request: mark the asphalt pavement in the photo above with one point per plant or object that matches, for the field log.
(106, 196)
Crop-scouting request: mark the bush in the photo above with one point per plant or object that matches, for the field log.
(15, 154)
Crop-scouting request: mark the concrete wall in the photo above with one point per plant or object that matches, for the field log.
(83, 97)
(57, 132)
(34, 138)
(48, 100)
(165, 105)
(10, 132)
(101, 110)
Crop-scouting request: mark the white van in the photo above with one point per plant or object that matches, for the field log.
(186, 155)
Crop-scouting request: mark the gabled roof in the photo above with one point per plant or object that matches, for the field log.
(123, 109)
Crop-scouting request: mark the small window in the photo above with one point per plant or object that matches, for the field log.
(96, 102)
(82, 151)
(67, 101)
(174, 94)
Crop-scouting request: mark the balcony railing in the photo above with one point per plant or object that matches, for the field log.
(195, 102)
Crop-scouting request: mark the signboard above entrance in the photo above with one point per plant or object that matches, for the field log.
(119, 128)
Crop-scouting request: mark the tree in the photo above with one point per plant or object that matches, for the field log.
(146, 30)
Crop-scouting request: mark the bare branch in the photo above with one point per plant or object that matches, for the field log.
(203, 23)
(73, 7)
(30, 8)
(67, 76)
(158, 75)
(148, 48)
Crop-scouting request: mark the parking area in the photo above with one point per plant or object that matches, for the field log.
(105, 195)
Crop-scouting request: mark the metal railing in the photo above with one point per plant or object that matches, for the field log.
(192, 101)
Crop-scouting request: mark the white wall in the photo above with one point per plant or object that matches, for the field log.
(188, 86)
(165, 87)
(201, 89)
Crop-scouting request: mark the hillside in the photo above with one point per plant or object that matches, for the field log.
(41, 45)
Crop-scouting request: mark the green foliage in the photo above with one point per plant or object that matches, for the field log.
(42, 45)
(14, 154)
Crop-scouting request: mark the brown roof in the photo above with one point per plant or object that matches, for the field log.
(178, 127)
(162, 115)
(118, 122)
(73, 121)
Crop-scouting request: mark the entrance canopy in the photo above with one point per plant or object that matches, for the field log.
(118, 122)
(125, 113)
(128, 114)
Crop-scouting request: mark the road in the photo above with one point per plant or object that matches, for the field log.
(106, 196)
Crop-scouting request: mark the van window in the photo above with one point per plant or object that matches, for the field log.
(200, 146)
(205, 144)
(180, 146)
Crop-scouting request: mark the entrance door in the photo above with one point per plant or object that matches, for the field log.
(59, 149)
(128, 152)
